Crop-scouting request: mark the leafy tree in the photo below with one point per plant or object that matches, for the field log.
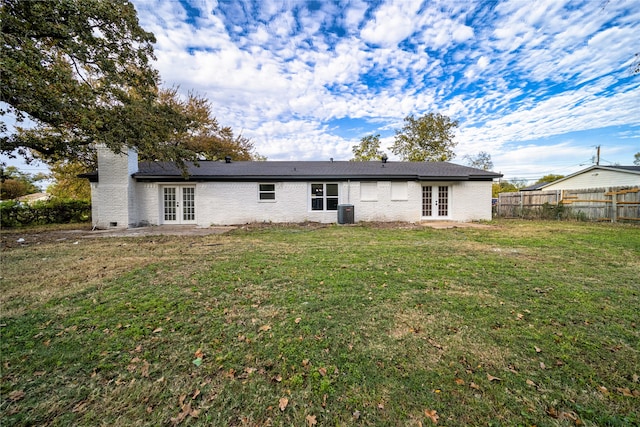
(80, 70)
(505, 186)
(205, 137)
(67, 185)
(636, 160)
(482, 160)
(16, 183)
(368, 149)
(427, 138)
(549, 178)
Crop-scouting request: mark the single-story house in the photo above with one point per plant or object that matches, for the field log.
(596, 176)
(128, 193)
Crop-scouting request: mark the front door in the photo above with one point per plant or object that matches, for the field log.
(178, 205)
(435, 201)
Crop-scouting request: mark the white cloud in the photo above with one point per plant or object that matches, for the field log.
(511, 73)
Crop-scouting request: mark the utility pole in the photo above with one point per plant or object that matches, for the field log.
(597, 155)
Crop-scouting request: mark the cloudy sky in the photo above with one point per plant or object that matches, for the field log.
(536, 84)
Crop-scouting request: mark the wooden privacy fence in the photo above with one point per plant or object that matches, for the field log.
(591, 204)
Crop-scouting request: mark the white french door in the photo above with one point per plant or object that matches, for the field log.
(178, 205)
(435, 201)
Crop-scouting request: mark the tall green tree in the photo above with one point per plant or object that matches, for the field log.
(429, 138)
(80, 70)
(549, 178)
(368, 149)
(636, 159)
(482, 160)
(66, 183)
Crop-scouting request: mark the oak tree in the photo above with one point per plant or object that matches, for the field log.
(427, 138)
(79, 72)
(368, 149)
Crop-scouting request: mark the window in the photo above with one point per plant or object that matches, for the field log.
(267, 192)
(399, 191)
(324, 197)
(368, 191)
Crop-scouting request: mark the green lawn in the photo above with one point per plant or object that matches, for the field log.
(522, 323)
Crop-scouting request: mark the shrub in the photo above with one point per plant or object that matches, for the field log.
(54, 211)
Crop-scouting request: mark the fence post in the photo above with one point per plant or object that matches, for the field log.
(521, 205)
(614, 206)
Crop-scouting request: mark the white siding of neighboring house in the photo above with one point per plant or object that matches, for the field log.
(596, 178)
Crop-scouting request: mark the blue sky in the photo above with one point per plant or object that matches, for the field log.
(536, 84)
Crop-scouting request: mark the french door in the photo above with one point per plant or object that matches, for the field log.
(178, 205)
(435, 201)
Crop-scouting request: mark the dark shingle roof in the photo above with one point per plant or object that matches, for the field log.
(305, 171)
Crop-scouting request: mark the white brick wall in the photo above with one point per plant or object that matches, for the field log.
(113, 197)
(223, 203)
(119, 201)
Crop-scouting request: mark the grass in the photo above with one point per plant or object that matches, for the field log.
(523, 323)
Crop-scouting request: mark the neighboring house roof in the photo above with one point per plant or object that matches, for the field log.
(633, 170)
(534, 187)
(34, 197)
(313, 170)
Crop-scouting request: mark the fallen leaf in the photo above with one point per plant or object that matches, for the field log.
(381, 405)
(16, 395)
(282, 404)
(474, 386)
(298, 319)
(356, 414)
(323, 371)
(538, 349)
(265, 328)
(311, 420)
(432, 415)
(195, 394)
(156, 330)
(305, 362)
(635, 378)
(278, 378)
(602, 389)
(80, 407)
(542, 365)
(531, 383)
(624, 391)
(197, 361)
(459, 381)
(492, 378)
(199, 353)
(144, 371)
(520, 316)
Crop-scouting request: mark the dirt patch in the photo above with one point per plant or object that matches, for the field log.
(20, 237)
(452, 224)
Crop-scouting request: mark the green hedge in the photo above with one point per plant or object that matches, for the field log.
(55, 211)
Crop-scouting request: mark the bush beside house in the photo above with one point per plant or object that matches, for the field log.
(54, 211)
